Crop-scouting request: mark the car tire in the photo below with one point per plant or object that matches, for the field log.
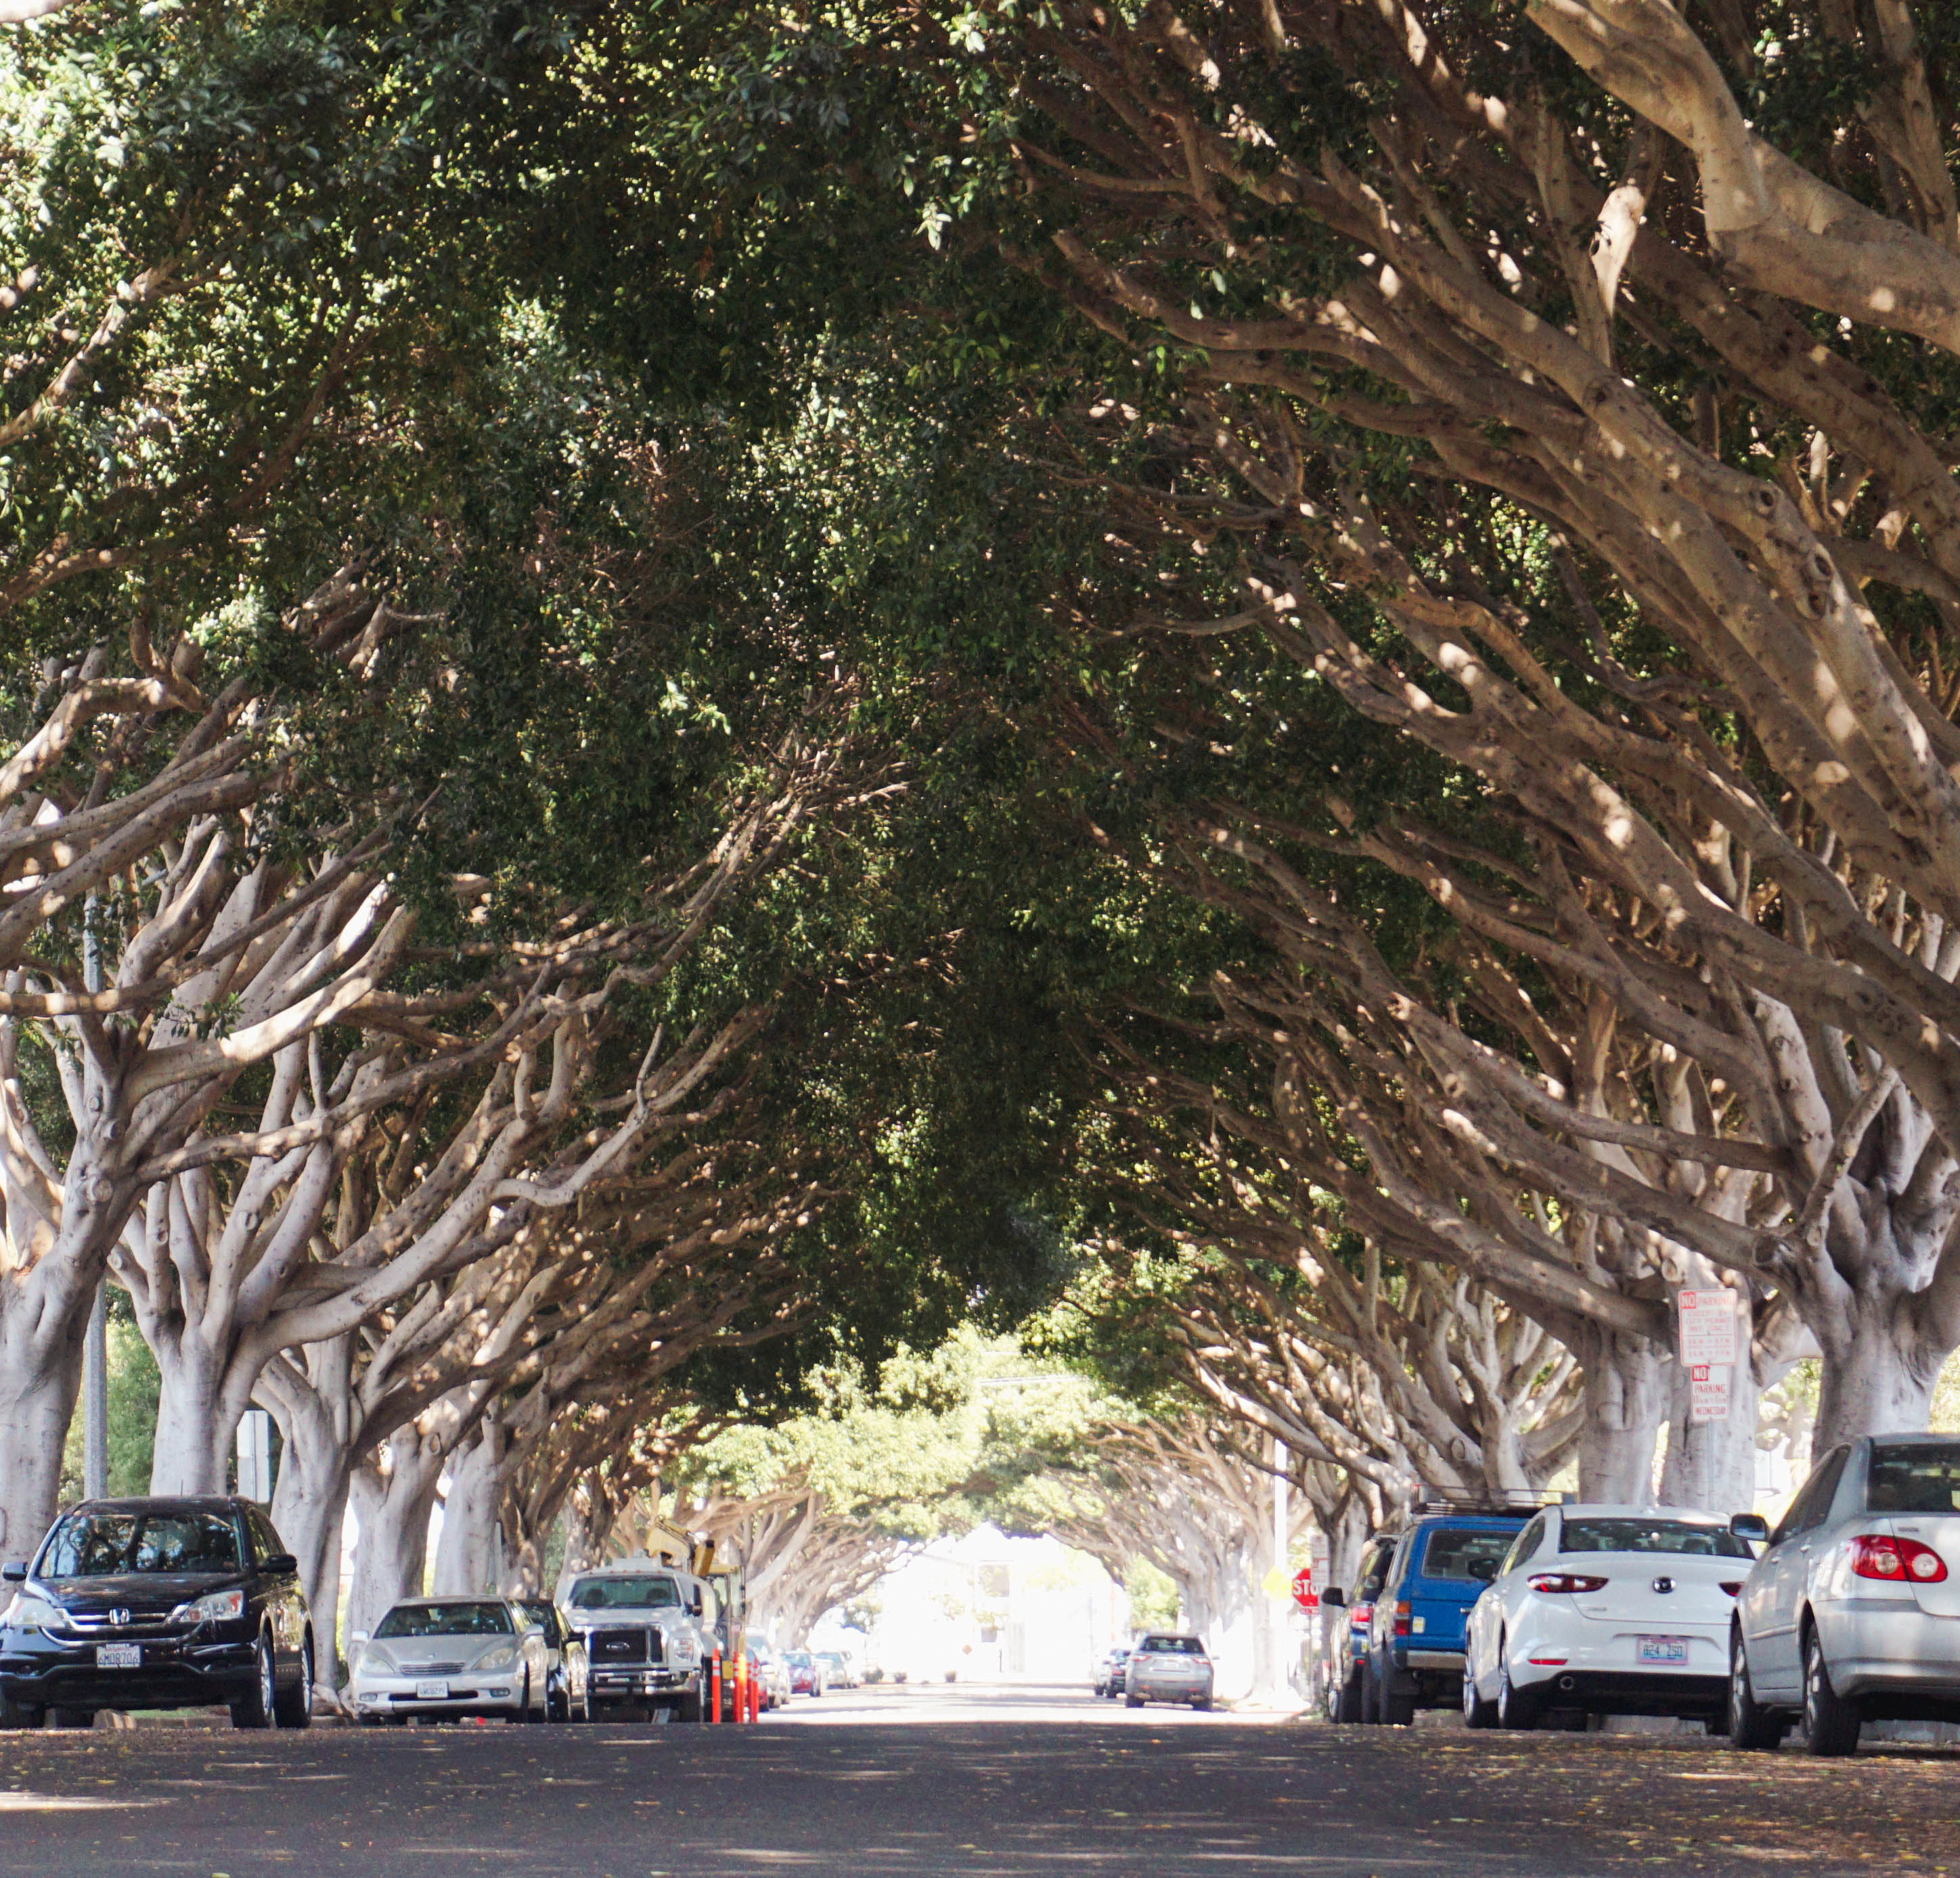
(1371, 1695)
(73, 1718)
(21, 1714)
(1751, 1727)
(1133, 1701)
(293, 1708)
(1203, 1703)
(1397, 1707)
(1516, 1708)
(1477, 1712)
(1831, 1725)
(1347, 1704)
(255, 1708)
(688, 1709)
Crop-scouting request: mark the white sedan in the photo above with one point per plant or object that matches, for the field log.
(444, 1658)
(1610, 1610)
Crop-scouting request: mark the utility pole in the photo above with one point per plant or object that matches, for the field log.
(95, 1351)
(95, 1400)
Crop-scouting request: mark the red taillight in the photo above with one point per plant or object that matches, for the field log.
(1548, 1663)
(1733, 1587)
(1402, 1618)
(1565, 1581)
(1874, 1555)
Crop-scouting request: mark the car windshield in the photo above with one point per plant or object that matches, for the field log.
(1914, 1477)
(624, 1594)
(99, 1545)
(1171, 1646)
(1465, 1554)
(1677, 1536)
(798, 1659)
(541, 1612)
(473, 1619)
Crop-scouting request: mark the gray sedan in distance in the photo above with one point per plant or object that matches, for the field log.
(444, 1658)
(1852, 1613)
(1167, 1667)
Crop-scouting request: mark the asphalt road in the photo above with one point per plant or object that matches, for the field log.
(921, 1783)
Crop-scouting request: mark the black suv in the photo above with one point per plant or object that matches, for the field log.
(156, 1604)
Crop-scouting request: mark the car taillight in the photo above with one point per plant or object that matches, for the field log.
(1402, 1618)
(1565, 1581)
(1875, 1555)
(1733, 1587)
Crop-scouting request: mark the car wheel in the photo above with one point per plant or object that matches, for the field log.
(1516, 1707)
(73, 1718)
(1348, 1704)
(1371, 1695)
(1830, 1724)
(254, 1709)
(293, 1708)
(688, 1709)
(1397, 1707)
(1477, 1712)
(1133, 1701)
(20, 1714)
(1202, 1703)
(1750, 1725)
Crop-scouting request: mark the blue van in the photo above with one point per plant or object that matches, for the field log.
(1414, 1655)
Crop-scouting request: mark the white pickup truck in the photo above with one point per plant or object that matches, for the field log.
(649, 1630)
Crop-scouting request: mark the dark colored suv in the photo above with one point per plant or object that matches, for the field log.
(156, 1604)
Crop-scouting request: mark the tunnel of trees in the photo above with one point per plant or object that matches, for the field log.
(710, 712)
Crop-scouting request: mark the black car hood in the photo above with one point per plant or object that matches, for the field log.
(148, 1591)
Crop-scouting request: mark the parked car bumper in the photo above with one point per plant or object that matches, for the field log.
(1876, 1647)
(497, 1692)
(1632, 1692)
(38, 1671)
(1168, 1688)
(638, 1683)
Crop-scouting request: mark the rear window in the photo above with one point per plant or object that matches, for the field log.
(1676, 1536)
(1465, 1554)
(1171, 1646)
(445, 1620)
(1914, 1477)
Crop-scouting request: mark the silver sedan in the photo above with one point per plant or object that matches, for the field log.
(1167, 1667)
(444, 1658)
(1853, 1615)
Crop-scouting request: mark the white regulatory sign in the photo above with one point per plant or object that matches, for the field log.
(1708, 1391)
(1707, 1328)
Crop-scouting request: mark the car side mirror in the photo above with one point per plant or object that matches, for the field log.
(694, 1604)
(280, 1564)
(15, 1572)
(1334, 1597)
(359, 1637)
(1750, 1525)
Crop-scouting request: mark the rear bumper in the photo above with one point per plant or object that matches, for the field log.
(38, 1672)
(1631, 1692)
(1449, 1660)
(1876, 1647)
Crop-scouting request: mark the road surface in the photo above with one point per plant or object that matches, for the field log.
(936, 1782)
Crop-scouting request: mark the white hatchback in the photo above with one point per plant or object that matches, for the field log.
(1606, 1610)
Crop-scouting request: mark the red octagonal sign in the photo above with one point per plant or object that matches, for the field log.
(1303, 1592)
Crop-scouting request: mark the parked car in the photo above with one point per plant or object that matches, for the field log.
(444, 1658)
(1852, 1613)
(1168, 1667)
(649, 1630)
(1606, 1610)
(1113, 1672)
(569, 1688)
(157, 1603)
(1440, 1565)
(839, 1671)
(1347, 1672)
(768, 1668)
(807, 1673)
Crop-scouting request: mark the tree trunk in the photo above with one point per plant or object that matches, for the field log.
(309, 1499)
(466, 1557)
(1711, 1465)
(1626, 1400)
(195, 1429)
(393, 1493)
(1879, 1373)
(38, 1387)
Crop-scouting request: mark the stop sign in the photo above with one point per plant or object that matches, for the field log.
(1303, 1592)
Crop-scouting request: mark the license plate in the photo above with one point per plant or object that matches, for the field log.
(119, 1656)
(431, 1691)
(1660, 1649)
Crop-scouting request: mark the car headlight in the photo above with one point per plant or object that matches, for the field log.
(214, 1609)
(30, 1611)
(502, 1657)
(370, 1659)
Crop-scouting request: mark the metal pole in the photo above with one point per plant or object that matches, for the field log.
(95, 1400)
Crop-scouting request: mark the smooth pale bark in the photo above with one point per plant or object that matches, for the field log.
(466, 1557)
(393, 1494)
(1879, 1373)
(1626, 1401)
(316, 1468)
(195, 1429)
